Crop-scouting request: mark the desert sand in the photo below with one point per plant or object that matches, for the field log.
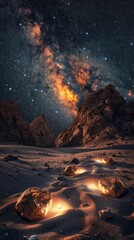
(76, 200)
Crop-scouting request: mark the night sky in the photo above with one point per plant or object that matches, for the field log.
(54, 52)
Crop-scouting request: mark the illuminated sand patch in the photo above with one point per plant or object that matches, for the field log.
(80, 170)
(60, 206)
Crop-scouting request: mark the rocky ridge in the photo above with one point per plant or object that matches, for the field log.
(103, 116)
(13, 128)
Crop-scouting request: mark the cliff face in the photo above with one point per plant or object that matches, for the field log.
(104, 115)
(42, 133)
(13, 128)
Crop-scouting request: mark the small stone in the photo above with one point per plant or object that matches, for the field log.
(74, 161)
(47, 165)
(70, 170)
(85, 205)
(38, 174)
(34, 237)
(105, 214)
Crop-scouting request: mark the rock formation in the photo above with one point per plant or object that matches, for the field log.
(34, 203)
(104, 115)
(13, 128)
(42, 133)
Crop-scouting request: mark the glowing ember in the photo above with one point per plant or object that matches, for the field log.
(92, 186)
(107, 160)
(80, 170)
(59, 206)
(100, 160)
(130, 94)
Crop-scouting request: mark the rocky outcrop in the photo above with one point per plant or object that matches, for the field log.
(13, 128)
(104, 115)
(42, 133)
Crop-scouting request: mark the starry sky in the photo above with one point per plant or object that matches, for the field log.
(55, 52)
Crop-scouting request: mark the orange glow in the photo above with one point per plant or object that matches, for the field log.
(34, 33)
(80, 70)
(92, 186)
(104, 190)
(65, 95)
(59, 207)
(80, 170)
(100, 160)
(130, 94)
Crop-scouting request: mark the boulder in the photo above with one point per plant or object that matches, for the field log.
(70, 170)
(34, 203)
(111, 186)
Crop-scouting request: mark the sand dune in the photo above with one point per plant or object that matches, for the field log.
(74, 212)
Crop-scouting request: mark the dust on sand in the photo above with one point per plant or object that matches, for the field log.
(76, 201)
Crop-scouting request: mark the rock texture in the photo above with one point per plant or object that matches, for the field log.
(70, 170)
(42, 133)
(13, 128)
(104, 115)
(111, 186)
(34, 203)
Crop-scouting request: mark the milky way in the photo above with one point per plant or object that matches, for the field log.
(54, 53)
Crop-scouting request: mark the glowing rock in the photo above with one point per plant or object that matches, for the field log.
(74, 161)
(108, 160)
(34, 203)
(111, 186)
(70, 170)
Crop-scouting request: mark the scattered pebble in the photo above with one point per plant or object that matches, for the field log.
(34, 237)
(105, 214)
